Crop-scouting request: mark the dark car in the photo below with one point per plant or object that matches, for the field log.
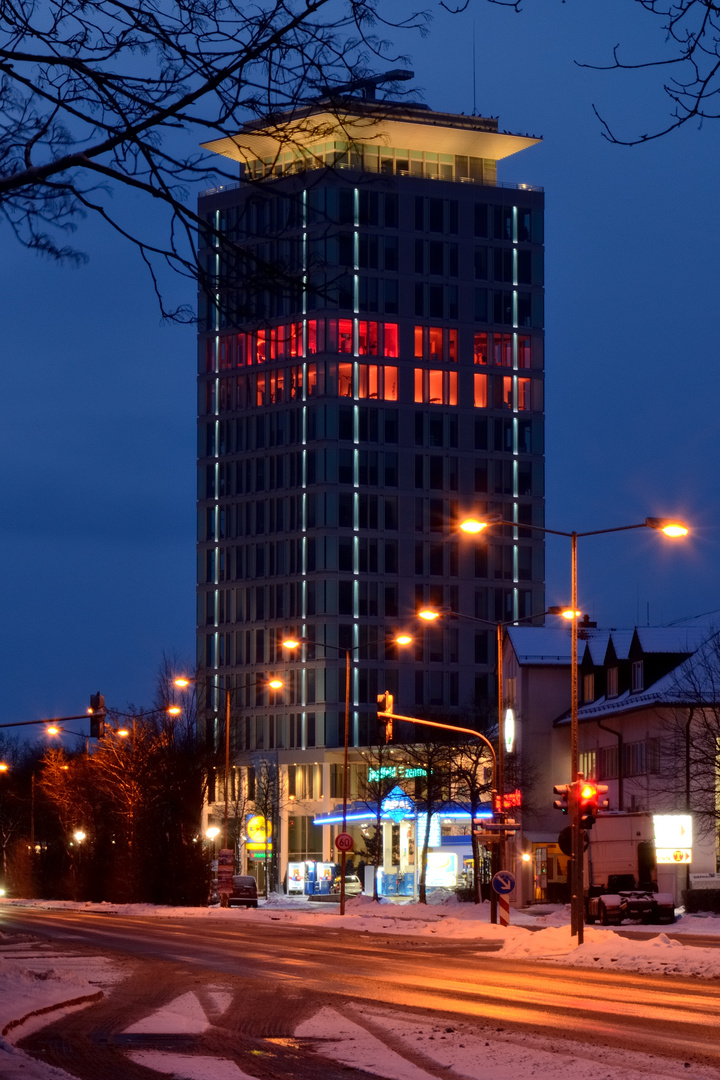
(244, 891)
(353, 885)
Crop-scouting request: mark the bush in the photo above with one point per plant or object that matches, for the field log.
(701, 900)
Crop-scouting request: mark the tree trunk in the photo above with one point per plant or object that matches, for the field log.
(422, 891)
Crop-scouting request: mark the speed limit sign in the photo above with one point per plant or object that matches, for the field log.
(344, 841)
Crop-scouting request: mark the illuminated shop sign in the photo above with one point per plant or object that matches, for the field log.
(441, 869)
(259, 833)
(673, 838)
(390, 772)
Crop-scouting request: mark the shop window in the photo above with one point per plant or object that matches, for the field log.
(524, 396)
(480, 388)
(480, 349)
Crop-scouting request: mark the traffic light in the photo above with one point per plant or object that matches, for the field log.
(563, 803)
(97, 716)
(590, 803)
(385, 705)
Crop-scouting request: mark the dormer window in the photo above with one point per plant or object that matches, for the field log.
(612, 682)
(589, 688)
(637, 676)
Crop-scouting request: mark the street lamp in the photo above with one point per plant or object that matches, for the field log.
(292, 643)
(430, 615)
(183, 682)
(671, 528)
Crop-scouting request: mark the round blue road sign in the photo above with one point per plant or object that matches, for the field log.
(503, 882)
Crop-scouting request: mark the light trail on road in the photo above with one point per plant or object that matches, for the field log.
(653, 1014)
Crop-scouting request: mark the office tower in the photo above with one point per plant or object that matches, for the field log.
(388, 383)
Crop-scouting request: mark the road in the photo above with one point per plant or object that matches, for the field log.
(284, 974)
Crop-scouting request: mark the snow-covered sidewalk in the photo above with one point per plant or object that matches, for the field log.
(36, 985)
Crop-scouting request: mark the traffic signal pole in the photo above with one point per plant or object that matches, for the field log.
(385, 714)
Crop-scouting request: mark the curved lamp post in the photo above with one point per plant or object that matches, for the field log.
(183, 682)
(671, 528)
(292, 643)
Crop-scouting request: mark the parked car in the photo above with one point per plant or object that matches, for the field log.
(353, 885)
(244, 891)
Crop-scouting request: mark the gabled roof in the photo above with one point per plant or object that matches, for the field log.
(543, 645)
(596, 647)
(670, 639)
(548, 646)
(621, 641)
(695, 681)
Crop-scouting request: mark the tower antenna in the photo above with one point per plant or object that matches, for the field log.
(474, 75)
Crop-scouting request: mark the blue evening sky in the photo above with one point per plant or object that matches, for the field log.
(98, 398)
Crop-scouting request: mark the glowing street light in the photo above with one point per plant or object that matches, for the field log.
(183, 682)
(292, 643)
(671, 528)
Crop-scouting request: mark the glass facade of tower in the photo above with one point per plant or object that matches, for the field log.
(349, 423)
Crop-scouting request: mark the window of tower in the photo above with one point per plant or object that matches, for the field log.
(502, 350)
(480, 391)
(367, 339)
(480, 349)
(523, 351)
(391, 347)
(435, 343)
(435, 387)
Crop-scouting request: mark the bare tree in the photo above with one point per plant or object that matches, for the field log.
(689, 741)
(381, 778)
(97, 96)
(687, 55)
(268, 802)
(472, 783)
(432, 788)
(13, 808)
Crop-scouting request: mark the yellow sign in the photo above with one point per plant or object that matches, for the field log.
(674, 855)
(258, 830)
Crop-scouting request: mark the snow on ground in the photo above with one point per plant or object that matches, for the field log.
(33, 980)
(36, 987)
(541, 933)
(474, 1052)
